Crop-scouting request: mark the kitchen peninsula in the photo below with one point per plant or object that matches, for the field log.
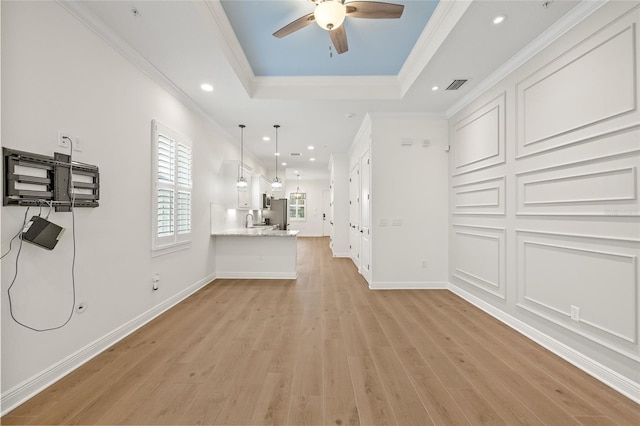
(258, 253)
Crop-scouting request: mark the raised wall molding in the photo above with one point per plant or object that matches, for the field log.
(589, 90)
(597, 274)
(479, 258)
(482, 197)
(479, 138)
(606, 186)
(571, 176)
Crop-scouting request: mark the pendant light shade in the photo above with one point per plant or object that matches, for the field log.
(276, 184)
(241, 184)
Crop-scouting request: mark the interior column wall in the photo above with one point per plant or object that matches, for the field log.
(408, 202)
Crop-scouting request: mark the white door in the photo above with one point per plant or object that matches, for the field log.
(354, 214)
(365, 217)
(326, 213)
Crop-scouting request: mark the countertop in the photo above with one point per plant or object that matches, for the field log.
(255, 232)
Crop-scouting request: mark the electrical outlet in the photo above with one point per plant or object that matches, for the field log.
(63, 140)
(156, 281)
(575, 313)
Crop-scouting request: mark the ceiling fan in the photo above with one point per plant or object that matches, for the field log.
(330, 15)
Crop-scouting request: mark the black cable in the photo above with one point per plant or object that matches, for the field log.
(73, 261)
(24, 223)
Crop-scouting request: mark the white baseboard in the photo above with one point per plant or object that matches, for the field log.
(258, 275)
(341, 255)
(408, 285)
(30, 387)
(622, 384)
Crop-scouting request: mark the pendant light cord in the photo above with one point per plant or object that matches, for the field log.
(276, 154)
(242, 126)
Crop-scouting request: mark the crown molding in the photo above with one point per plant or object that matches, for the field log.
(83, 14)
(444, 19)
(230, 44)
(555, 31)
(320, 87)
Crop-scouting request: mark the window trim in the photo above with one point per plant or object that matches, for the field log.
(177, 240)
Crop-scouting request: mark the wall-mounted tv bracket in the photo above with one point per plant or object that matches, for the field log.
(31, 179)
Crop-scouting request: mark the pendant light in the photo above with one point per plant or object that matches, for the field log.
(276, 184)
(241, 184)
(299, 195)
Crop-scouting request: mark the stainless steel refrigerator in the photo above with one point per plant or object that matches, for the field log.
(278, 213)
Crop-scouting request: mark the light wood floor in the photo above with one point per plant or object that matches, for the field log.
(325, 350)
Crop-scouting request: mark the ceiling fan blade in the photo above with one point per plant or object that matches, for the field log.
(374, 10)
(339, 39)
(295, 25)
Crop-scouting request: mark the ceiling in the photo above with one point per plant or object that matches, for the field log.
(376, 47)
(321, 101)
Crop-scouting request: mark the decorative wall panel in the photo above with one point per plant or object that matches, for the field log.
(479, 258)
(479, 138)
(485, 197)
(599, 187)
(595, 275)
(591, 89)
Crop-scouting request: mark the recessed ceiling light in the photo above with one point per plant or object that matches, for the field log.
(312, 159)
(434, 88)
(277, 153)
(284, 164)
(499, 19)
(266, 138)
(310, 147)
(206, 87)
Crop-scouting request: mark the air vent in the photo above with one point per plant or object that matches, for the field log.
(295, 154)
(456, 84)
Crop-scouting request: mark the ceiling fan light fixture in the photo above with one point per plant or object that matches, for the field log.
(330, 14)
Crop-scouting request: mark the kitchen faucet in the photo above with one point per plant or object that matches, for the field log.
(246, 223)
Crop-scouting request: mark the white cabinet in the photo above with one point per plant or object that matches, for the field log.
(232, 197)
(261, 185)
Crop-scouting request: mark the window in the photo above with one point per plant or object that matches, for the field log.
(297, 206)
(172, 186)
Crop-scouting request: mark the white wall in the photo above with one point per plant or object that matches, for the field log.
(312, 226)
(409, 195)
(544, 197)
(339, 166)
(409, 199)
(56, 74)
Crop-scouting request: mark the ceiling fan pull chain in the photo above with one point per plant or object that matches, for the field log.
(330, 52)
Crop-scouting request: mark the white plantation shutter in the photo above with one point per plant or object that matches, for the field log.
(165, 213)
(172, 180)
(184, 213)
(184, 165)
